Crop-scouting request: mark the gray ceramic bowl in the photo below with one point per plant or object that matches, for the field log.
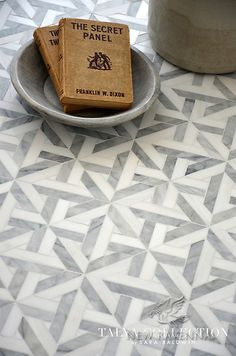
(30, 79)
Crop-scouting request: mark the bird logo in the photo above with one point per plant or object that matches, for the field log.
(166, 312)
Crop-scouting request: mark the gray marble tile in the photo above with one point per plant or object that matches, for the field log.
(136, 265)
(148, 180)
(93, 297)
(173, 74)
(134, 189)
(229, 132)
(188, 107)
(12, 233)
(77, 343)
(65, 171)
(221, 273)
(146, 233)
(196, 318)
(224, 89)
(97, 226)
(93, 188)
(84, 207)
(208, 147)
(112, 344)
(180, 132)
(224, 316)
(134, 292)
(167, 282)
(153, 129)
(36, 239)
(225, 104)
(122, 247)
(30, 266)
(33, 168)
(65, 257)
(25, 224)
(224, 215)
(190, 190)
(5, 176)
(4, 313)
(168, 259)
(169, 119)
(192, 261)
(56, 280)
(7, 146)
(106, 261)
(208, 128)
(21, 120)
(117, 169)
(61, 314)
(168, 104)
(51, 135)
(5, 352)
(220, 247)
(77, 144)
(169, 166)
(189, 211)
(196, 96)
(122, 308)
(59, 194)
(231, 172)
(154, 217)
(116, 141)
(49, 208)
(204, 164)
(53, 157)
(212, 192)
(91, 237)
(68, 234)
(143, 157)
(209, 287)
(95, 167)
(36, 313)
(16, 282)
(31, 339)
(180, 154)
(122, 224)
(230, 341)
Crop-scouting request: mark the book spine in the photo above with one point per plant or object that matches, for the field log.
(40, 42)
(61, 51)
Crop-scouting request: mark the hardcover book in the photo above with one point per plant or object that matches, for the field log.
(95, 64)
(47, 41)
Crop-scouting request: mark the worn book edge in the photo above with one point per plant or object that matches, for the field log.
(48, 61)
(40, 41)
(60, 57)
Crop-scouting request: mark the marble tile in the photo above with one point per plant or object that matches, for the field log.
(98, 227)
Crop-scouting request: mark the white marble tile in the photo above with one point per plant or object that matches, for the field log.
(97, 226)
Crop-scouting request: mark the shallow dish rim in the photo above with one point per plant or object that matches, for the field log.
(76, 120)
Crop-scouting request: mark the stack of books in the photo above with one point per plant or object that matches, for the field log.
(89, 63)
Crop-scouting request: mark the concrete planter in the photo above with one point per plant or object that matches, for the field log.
(198, 35)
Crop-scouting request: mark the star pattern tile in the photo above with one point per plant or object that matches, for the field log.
(98, 227)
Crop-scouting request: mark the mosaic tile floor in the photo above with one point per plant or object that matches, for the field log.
(100, 228)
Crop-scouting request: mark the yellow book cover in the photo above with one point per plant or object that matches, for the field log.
(95, 64)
